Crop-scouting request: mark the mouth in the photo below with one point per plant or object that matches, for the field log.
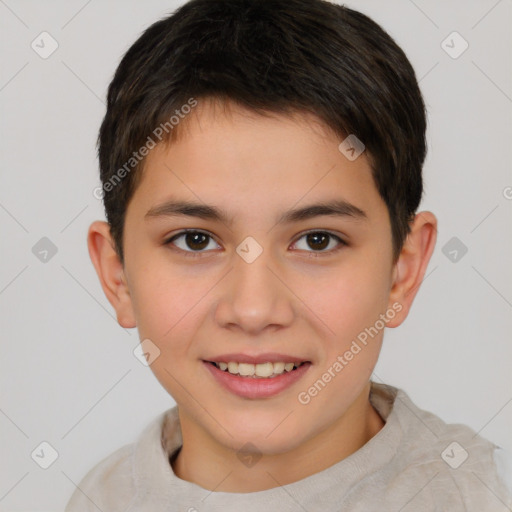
(267, 370)
(258, 380)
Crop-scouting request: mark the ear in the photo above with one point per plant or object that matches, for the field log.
(412, 263)
(110, 272)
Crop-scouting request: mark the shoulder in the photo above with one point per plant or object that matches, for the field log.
(107, 486)
(115, 483)
(459, 468)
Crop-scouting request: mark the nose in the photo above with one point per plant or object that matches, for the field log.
(254, 297)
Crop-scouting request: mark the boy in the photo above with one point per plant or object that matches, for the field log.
(261, 167)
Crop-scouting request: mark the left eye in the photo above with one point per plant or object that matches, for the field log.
(319, 240)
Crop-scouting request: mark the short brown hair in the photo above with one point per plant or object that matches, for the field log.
(276, 56)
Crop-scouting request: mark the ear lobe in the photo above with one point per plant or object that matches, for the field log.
(110, 272)
(412, 263)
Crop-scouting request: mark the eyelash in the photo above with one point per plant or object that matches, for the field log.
(313, 254)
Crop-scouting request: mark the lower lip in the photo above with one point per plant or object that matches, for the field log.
(248, 387)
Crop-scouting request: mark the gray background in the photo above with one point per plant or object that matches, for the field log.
(68, 373)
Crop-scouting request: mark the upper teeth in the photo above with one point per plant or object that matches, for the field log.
(258, 370)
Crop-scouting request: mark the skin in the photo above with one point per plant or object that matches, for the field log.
(286, 301)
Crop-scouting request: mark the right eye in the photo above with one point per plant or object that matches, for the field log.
(195, 240)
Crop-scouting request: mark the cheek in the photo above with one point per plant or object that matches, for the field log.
(350, 305)
(166, 306)
(349, 298)
(168, 313)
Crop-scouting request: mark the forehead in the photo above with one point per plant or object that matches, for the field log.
(244, 160)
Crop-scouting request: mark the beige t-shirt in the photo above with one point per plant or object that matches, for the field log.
(415, 463)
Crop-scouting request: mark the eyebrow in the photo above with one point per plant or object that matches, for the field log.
(335, 208)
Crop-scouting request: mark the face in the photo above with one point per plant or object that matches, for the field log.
(256, 280)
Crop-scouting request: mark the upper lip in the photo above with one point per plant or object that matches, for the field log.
(270, 357)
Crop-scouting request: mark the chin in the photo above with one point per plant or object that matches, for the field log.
(270, 438)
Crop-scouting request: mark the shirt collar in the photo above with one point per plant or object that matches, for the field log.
(158, 486)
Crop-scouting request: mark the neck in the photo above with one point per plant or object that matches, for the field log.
(214, 467)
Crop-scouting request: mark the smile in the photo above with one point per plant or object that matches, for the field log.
(262, 370)
(256, 381)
